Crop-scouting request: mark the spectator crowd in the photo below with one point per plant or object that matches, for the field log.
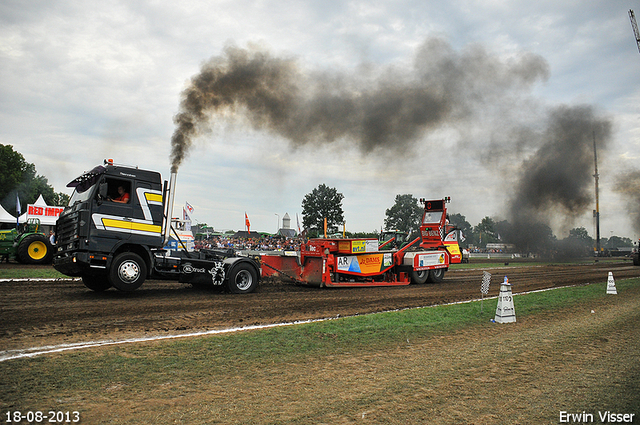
(266, 243)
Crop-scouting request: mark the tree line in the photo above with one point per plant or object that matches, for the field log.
(19, 180)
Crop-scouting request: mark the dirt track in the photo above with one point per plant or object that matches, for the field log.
(55, 312)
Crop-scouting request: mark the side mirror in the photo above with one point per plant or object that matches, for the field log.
(102, 192)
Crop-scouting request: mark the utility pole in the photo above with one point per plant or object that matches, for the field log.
(634, 26)
(596, 212)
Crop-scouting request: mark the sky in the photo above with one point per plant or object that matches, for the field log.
(495, 104)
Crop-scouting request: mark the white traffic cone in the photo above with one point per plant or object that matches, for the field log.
(611, 285)
(505, 311)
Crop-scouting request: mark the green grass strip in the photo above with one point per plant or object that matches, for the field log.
(34, 273)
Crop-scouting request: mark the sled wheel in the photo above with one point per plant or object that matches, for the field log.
(128, 272)
(419, 277)
(97, 283)
(243, 279)
(436, 276)
(35, 249)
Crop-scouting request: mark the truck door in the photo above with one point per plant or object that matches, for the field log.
(112, 209)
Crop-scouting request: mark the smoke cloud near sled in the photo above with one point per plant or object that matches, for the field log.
(395, 108)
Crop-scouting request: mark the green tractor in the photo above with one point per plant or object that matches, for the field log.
(25, 244)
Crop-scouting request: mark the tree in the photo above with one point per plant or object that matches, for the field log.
(485, 231)
(615, 242)
(404, 215)
(577, 244)
(529, 237)
(323, 202)
(19, 177)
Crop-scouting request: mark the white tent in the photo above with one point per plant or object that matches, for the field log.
(40, 202)
(5, 217)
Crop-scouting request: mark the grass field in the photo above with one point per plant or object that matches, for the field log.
(572, 349)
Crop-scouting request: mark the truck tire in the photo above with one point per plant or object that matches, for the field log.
(35, 249)
(436, 275)
(243, 279)
(419, 277)
(128, 272)
(98, 283)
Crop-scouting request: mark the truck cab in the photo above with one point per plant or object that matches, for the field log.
(107, 238)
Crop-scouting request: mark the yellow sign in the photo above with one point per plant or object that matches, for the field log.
(365, 264)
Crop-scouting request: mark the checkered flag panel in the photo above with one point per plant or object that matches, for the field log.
(486, 280)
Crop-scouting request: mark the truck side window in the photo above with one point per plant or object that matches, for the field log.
(118, 191)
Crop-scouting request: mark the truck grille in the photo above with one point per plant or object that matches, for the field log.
(69, 230)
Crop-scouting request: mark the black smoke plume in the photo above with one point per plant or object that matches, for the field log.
(373, 108)
(558, 179)
(628, 185)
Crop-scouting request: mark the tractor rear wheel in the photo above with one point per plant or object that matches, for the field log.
(35, 249)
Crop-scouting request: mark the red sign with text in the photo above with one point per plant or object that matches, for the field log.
(36, 211)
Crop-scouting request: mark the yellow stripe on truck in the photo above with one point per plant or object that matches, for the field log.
(119, 224)
(151, 228)
(129, 225)
(153, 197)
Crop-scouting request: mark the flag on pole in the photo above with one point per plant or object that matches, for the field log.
(187, 211)
(298, 220)
(246, 222)
(486, 281)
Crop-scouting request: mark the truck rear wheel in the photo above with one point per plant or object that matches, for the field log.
(128, 272)
(243, 279)
(419, 277)
(436, 276)
(35, 249)
(96, 283)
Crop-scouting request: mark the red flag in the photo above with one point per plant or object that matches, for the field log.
(247, 223)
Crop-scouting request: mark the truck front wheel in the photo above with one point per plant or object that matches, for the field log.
(436, 275)
(243, 279)
(128, 272)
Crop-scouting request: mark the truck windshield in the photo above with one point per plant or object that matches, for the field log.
(79, 196)
(84, 185)
(432, 217)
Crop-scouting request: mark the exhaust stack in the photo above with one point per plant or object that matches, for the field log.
(168, 212)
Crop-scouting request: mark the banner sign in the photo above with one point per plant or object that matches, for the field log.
(365, 264)
(37, 211)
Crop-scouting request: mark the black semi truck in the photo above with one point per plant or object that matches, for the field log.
(112, 240)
